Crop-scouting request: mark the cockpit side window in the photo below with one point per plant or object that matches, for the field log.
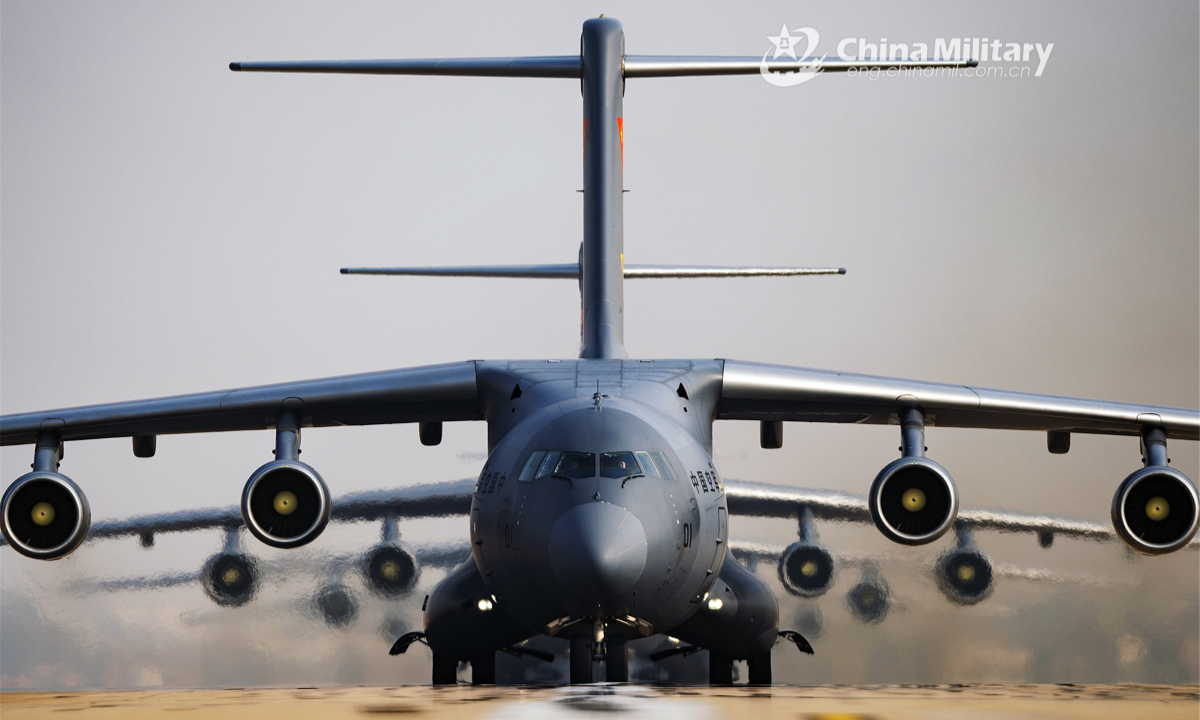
(576, 465)
(664, 465)
(531, 466)
(647, 464)
(547, 466)
(618, 465)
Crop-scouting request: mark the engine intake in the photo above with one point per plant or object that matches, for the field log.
(870, 599)
(45, 515)
(964, 576)
(390, 571)
(1156, 510)
(285, 504)
(806, 570)
(336, 605)
(230, 579)
(913, 501)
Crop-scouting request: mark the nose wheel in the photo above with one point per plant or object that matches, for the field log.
(585, 651)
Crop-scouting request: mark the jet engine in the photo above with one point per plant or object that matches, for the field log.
(285, 504)
(1156, 509)
(390, 571)
(964, 576)
(230, 579)
(45, 515)
(870, 599)
(913, 499)
(336, 605)
(805, 569)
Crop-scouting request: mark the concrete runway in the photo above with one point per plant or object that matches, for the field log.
(814, 702)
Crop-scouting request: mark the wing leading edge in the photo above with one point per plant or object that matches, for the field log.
(755, 391)
(432, 393)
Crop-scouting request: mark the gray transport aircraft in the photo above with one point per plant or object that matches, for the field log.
(391, 569)
(599, 515)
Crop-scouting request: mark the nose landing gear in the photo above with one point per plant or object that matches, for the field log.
(601, 646)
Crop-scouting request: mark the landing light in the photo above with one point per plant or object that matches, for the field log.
(485, 605)
(808, 569)
(715, 604)
(965, 572)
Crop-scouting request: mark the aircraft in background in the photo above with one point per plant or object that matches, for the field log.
(599, 515)
(391, 569)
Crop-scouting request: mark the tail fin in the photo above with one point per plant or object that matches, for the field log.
(602, 67)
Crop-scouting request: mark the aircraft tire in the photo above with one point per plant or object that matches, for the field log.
(581, 661)
(445, 670)
(720, 668)
(760, 669)
(483, 668)
(616, 661)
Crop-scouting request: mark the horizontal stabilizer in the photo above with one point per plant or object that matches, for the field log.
(640, 66)
(566, 66)
(571, 66)
(571, 271)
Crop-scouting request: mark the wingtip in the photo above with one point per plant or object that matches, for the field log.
(345, 271)
(841, 271)
(235, 66)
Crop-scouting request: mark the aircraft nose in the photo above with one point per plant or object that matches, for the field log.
(597, 550)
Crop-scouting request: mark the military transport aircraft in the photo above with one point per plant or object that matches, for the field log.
(599, 515)
(391, 569)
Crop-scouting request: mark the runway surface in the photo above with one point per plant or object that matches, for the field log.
(632, 702)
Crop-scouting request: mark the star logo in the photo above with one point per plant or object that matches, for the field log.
(785, 43)
(782, 72)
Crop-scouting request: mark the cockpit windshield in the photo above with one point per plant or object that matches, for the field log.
(618, 465)
(576, 465)
(581, 465)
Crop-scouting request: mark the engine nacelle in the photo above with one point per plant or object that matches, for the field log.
(1156, 510)
(913, 501)
(230, 579)
(45, 515)
(964, 576)
(390, 571)
(869, 600)
(336, 605)
(806, 570)
(285, 504)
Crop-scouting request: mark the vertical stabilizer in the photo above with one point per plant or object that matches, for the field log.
(603, 331)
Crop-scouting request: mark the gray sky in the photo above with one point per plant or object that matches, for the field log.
(168, 226)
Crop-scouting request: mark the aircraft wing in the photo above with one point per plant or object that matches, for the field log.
(755, 391)
(746, 550)
(440, 555)
(432, 393)
(416, 501)
(779, 501)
